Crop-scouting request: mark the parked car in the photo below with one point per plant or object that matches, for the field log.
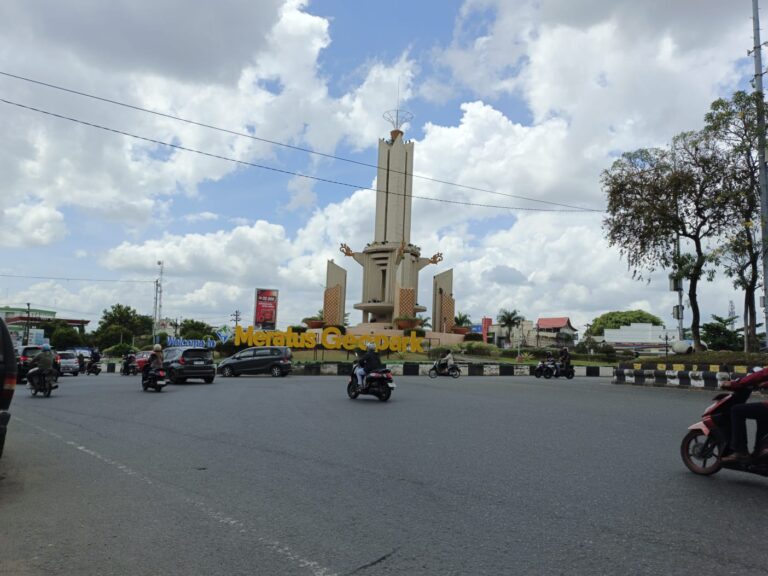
(181, 364)
(68, 363)
(274, 360)
(25, 356)
(8, 368)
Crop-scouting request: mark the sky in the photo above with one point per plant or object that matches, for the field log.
(526, 100)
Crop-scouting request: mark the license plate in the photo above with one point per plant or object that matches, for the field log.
(199, 362)
(160, 381)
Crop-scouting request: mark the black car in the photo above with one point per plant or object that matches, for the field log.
(182, 364)
(8, 369)
(26, 355)
(275, 360)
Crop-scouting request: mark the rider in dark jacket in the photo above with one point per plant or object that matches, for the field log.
(367, 363)
(757, 411)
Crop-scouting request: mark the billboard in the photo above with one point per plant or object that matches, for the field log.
(265, 312)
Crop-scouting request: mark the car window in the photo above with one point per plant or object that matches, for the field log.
(261, 352)
(244, 354)
(276, 352)
(197, 353)
(66, 355)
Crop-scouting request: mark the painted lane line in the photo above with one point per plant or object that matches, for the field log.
(275, 546)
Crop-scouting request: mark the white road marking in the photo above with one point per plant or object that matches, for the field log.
(223, 519)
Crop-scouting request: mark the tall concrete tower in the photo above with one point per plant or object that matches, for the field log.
(391, 264)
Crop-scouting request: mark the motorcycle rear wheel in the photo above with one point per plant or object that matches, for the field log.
(697, 449)
(352, 391)
(570, 374)
(385, 393)
(432, 373)
(48, 389)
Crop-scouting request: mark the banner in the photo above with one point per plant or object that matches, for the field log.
(265, 314)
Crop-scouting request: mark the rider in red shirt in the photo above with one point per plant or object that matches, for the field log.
(757, 411)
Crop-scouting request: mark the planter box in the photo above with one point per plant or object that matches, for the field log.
(407, 324)
(315, 323)
(461, 330)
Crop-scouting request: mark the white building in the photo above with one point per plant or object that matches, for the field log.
(642, 337)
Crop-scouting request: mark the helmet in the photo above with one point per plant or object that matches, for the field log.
(47, 347)
(157, 348)
(564, 350)
(371, 346)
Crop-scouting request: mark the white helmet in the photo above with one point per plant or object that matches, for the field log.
(157, 348)
(371, 346)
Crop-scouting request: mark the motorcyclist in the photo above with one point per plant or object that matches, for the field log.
(446, 361)
(128, 359)
(368, 362)
(81, 362)
(565, 358)
(154, 362)
(95, 358)
(757, 411)
(43, 361)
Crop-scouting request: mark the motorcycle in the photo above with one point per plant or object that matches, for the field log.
(93, 368)
(552, 368)
(41, 382)
(378, 383)
(129, 367)
(153, 378)
(707, 441)
(440, 370)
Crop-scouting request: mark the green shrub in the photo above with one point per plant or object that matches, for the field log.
(342, 329)
(299, 329)
(119, 350)
(480, 349)
(473, 337)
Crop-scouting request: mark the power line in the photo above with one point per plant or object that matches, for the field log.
(283, 144)
(280, 170)
(75, 279)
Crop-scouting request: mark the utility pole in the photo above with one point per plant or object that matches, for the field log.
(26, 328)
(756, 50)
(160, 294)
(236, 315)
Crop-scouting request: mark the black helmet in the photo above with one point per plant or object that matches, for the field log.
(564, 350)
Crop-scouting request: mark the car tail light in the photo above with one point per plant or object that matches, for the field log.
(58, 359)
(389, 377)
(23, 358)
(161, 373)
(181, 360)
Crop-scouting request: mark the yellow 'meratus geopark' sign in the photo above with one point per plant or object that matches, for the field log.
(331, 338)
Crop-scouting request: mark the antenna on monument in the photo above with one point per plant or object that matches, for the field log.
(397, 117)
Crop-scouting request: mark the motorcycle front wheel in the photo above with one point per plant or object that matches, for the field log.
(701, 453)
(352, 390)
(537, 372)
(547, 373)
(454, 372)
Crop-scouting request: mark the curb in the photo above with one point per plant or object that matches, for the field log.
(467, 369)
(672, 378)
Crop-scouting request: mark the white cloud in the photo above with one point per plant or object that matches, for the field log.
(27, 224)
(201, 217)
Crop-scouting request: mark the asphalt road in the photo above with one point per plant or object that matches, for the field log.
(263, 476)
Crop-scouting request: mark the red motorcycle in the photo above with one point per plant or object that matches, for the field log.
(708, 441)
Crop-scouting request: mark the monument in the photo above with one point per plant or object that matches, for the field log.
(391, 263)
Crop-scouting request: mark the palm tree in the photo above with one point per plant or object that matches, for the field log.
(509, 319)
(462, 319)
(424, 321)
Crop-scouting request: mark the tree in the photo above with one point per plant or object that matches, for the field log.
(509, 319)
(111, 335)
(127, 318)
(462, 320)
(194, 329)
(618, 319)
(657, 196)
(719, 336)
(734, 123)
(65, 337)
(424, 321)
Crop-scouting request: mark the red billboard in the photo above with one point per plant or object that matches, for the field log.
(265, 313)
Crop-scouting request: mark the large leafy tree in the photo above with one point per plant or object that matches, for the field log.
(65, 337)
(195, 329)
(121, 323)
(617, 319)
(734, 123)
(657, 195)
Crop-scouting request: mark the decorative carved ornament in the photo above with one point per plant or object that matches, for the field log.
(436, 258)
(346, 250)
